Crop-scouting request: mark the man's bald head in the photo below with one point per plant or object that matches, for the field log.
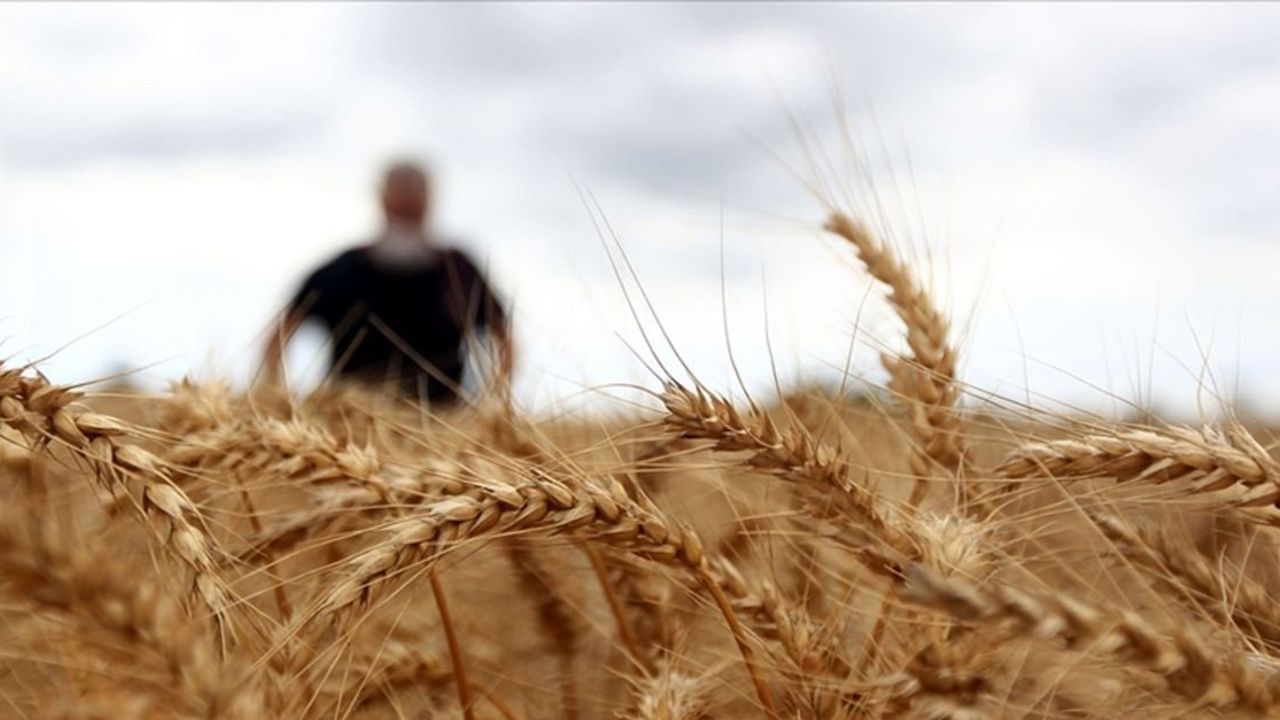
(406, 193)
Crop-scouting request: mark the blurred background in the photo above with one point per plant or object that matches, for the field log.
(1093, 187)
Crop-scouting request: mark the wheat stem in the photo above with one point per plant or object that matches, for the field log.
(455, 648)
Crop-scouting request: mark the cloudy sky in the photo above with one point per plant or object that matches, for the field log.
(1093, 188)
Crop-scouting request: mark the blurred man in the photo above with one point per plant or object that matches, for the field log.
(401, 309)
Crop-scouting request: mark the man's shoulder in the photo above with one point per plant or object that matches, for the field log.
(342, 263)
(457, 256)
(325, 287)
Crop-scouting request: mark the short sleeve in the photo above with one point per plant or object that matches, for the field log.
(316, 298)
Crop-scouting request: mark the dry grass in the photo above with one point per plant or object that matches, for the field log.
(210, 554)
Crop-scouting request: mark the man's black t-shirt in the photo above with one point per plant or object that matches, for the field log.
(402, 326)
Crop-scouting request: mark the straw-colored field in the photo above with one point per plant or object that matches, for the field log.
(210, 554)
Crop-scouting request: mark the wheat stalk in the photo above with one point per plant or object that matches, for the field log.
(556, 621)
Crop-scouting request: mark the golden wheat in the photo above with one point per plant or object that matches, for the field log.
(343, 555)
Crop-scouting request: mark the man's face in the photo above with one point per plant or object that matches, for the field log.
(406, 198)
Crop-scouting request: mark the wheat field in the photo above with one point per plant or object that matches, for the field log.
(214, 554)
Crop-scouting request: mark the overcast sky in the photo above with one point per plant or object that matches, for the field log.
(1094, 186)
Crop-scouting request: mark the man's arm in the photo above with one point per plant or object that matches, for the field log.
(312, 299)
(480, 308)
(282, 331)
(506, 354)
(498, 326)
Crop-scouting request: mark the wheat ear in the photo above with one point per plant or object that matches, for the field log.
(539, 504)
(386, 493)
(1208, 460)
(30, 404)
(1240, 601)
(137, 615)
(270, 448)
(809, 648)
(1184, 663)
(790, 454)
(669, 694)
(925, 380)
(943, 680)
